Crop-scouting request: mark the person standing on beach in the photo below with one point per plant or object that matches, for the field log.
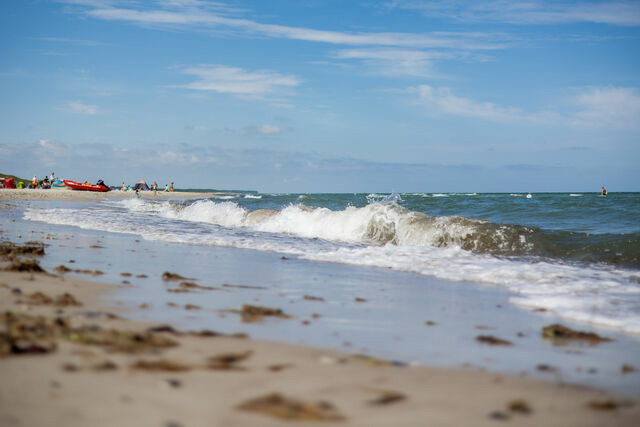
(52, 177)
(171, 188)
(34, 182)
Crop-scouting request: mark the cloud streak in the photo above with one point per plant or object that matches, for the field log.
(236, 81)
(194, 14)
(77, 107)
(621, 13)
(595, 107)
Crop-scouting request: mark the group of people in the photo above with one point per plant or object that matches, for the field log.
(46, 182)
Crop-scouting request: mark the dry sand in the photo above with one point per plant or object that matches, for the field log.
(86, 384)
(74, 195)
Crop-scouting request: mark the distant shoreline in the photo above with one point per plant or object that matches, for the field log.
(73, 195)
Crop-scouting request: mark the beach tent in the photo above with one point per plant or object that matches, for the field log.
(141, 185)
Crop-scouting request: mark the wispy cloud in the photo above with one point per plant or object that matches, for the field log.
(394, 62)
(608, 107)
(77, 42)
(196, 15)
(267, 129)
(595, 107)
(77, 107)
(443, 101)
(623, 13)
(236, 81)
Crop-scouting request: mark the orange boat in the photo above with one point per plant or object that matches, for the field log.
(86, 186)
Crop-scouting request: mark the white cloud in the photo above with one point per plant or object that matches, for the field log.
(77, 107)
(608, 107)
(236, 81)
(624, 13)
(394, 62)
(443, 101)
(267, 129)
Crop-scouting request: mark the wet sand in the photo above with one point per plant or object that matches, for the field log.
(79, 365)
(74, 195)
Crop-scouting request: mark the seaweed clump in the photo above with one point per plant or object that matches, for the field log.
(279, 406)
(561, 334)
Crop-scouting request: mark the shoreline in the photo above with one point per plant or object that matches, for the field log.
(209, 379)
(75, 195)
(84, 384)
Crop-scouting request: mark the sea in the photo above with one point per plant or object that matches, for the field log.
(386, 266)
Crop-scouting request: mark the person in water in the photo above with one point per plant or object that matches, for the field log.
(603, 192)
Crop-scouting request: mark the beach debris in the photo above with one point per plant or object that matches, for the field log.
(227, 285)
(160, 365)
(312, 298)
(119, 341)
(172, 277)
(491, 340)
(627, 369)
(560, 334)
(91, 272)
(256, 313)
(125, 274)
(484, 328)
(279, 406)
(545, 368)
(25, 265)
(144, 306)
(11, 250)
(358, 299)
(141, 276)
(64, 300)
(372, 361)
(227, 361)
(95, 247)
(279, 367)
(192, 307)
(62, 269)
(185, 287)
(520, 406)
(27, 334)
(430, 323)
(603, 405)
(102, 366)
(498, 416)
(387, 397)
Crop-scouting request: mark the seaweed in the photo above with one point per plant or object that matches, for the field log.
(255, 313)
(227, 361)
(160, 365)
(491, 340)
(172, 277)
(560, 334)
(279, 406)
(25, 265)
(387, 397)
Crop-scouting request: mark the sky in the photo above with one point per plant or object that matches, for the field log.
(324, 95)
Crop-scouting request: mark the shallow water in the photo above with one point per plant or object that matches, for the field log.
(574, 254)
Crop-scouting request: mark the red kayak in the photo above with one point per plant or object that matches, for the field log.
(85, 186)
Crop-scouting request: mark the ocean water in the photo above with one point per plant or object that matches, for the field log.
(576, 255)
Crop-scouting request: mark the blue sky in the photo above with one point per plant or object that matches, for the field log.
(324, 95)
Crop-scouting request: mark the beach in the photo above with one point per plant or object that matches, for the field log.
(242, 338)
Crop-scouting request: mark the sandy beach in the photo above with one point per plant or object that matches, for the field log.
(71, 355)
(73, 195)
